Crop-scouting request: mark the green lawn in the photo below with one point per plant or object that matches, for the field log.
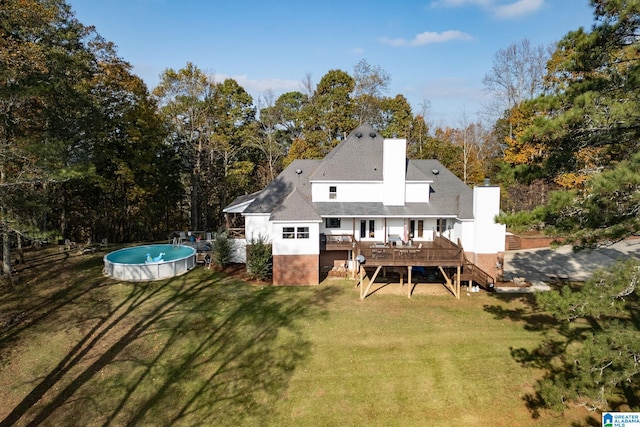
(77, 349)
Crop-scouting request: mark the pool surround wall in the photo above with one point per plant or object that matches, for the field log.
(129, 264)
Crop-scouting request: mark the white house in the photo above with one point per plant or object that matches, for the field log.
(365, 197)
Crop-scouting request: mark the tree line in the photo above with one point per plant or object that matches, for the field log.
(88, 152)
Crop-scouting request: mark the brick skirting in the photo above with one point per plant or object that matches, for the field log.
(296, 270)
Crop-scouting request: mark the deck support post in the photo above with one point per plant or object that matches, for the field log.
(373, 278)
(410, 283)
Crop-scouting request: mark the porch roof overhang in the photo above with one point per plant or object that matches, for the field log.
(378, 209)
(241, 203)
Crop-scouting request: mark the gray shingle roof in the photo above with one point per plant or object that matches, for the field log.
(356, 158)
(449, 194)
(296, 207)
(359, 158)
(277, 191)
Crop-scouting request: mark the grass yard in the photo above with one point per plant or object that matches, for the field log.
(204, 349)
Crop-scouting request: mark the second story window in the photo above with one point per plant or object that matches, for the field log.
(333, 192)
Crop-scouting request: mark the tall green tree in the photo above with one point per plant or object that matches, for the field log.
(396, 117)
(45, 65)
(233, 128)
(183, 97)
(594, 108)
(329, 116)
(589, 127)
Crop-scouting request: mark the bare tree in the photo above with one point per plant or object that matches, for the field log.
(308, 87)
(267, 141)
(371, 84)
(517, 74)
(423, 125)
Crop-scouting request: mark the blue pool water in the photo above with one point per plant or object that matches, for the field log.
(138, 254)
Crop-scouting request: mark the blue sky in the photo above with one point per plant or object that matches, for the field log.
(436, 51)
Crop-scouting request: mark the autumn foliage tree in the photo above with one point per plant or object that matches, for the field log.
(588, 130)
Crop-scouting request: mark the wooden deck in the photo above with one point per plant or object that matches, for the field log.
(440, 253)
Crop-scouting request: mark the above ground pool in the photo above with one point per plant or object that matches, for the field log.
(149, 262)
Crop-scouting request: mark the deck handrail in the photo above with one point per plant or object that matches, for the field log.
(411, 255)
(339, 238)
(478, 274)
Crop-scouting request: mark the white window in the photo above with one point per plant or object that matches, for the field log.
(288, 233)
(295, 232)
(302, 233)
(333, 192)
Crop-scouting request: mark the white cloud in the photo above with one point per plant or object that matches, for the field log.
(393, 42)
(429, 37)
(504, 9)
(458, 3)
(519, 8)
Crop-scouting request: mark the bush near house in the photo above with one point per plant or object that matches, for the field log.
(222, 247)
(259, 261)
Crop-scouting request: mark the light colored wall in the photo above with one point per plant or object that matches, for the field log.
(395, 226)
(239, 251)
(489, 236)
(310, 246)
(394, 161)
(256, 226)
(346, 227)
(417, 192)
(468, 235)
(347, 191)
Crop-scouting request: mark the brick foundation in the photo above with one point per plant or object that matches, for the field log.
(296, 270)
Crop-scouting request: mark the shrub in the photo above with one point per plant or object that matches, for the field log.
(259, 263)
(222, 247)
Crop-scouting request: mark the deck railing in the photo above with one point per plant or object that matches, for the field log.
(432, 255)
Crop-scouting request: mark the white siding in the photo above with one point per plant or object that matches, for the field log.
(396, 226)
(394, 162)
(417, 192)
(347, 191)
(468, 235)
(256, 226)
(346, 227)
(489, 236)
(239, 251)
(296, 246)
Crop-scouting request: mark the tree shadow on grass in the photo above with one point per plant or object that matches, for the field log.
(191, 350)
(556, 338)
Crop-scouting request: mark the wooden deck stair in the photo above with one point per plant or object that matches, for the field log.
(472, 273)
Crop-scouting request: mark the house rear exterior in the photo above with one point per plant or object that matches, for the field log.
(366, 194)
